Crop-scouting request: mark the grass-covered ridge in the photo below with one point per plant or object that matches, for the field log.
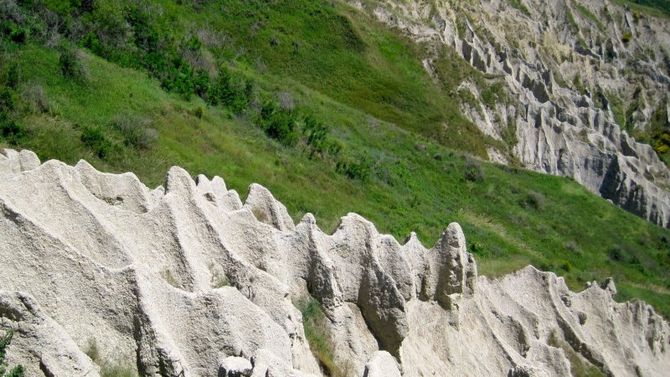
(655, 7)
(386, 153)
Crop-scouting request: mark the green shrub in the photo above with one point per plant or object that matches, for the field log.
(220, 281)
(17, 371)
(199, 112)
(534, 200)
(565, 265)
(71, 65)
(95, 139)
(316, 136)
(520, 6)
(354, 166)
(202, 84)
(231, 91)
(618, 253)
(84, 6)
(10, 130)
(6, 101)
(626, 37)
(316, 331)
(92, 350)
(36, 99)
(473, 171)
(278, 123)
(13, 76)
(136, 131)
(107, 369)
(493, 94)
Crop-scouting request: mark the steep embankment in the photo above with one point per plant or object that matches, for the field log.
(186, 279)
(567, 82)
(123, 114)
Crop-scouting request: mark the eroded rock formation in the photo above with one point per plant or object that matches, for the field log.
(574, 75)
(187, 280)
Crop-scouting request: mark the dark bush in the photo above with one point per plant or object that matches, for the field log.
(95, 139)
(155, 51)
(354, 167)
(565, 265)
(13, 76)
(333, 148)
(16, 33)
(136, 131)
(35, 98)
(278, 124)
(10, 130)
(92, 42)
(202, 84)
(286, 100)
(84, 6)
(17, 371)
(6, 101)
(616, 254)
(534, 200)
(199, 112)
(620, 254)
(473, 171)
(146, 36)
(231, 91)
(316, 136)
(70, 64)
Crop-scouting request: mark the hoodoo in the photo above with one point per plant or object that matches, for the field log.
(188, 280)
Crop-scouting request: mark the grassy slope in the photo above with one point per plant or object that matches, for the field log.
(333, 49)
(511, 217)
(659, 8)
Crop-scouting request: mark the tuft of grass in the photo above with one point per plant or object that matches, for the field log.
(473, 171)
(16, 371)
(318, 337)
(170, 279)
(517, 4)
(95, 139)
(107, 369)
(534, 200)
(572, 23)
(586, 13)
(71, 64)
(137, 131)
(579, 366)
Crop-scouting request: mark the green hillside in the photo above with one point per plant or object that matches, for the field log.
(654, 7)
(324, 106)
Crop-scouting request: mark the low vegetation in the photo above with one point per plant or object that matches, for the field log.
(318, 336)
(659, 8)
(313, 101)
(520, 6)
(5, 370)
(579, 366)
(107, 369)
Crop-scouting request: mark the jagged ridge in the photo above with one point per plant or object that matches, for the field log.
(543, 52)
(88, 255)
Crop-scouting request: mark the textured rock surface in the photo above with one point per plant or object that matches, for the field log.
(567, 68)
(186, 280)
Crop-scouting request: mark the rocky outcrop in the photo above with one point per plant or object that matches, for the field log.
(186, 280)
(571, 72)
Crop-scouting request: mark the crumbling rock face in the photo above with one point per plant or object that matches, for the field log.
(573, 71)
(187, 280)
